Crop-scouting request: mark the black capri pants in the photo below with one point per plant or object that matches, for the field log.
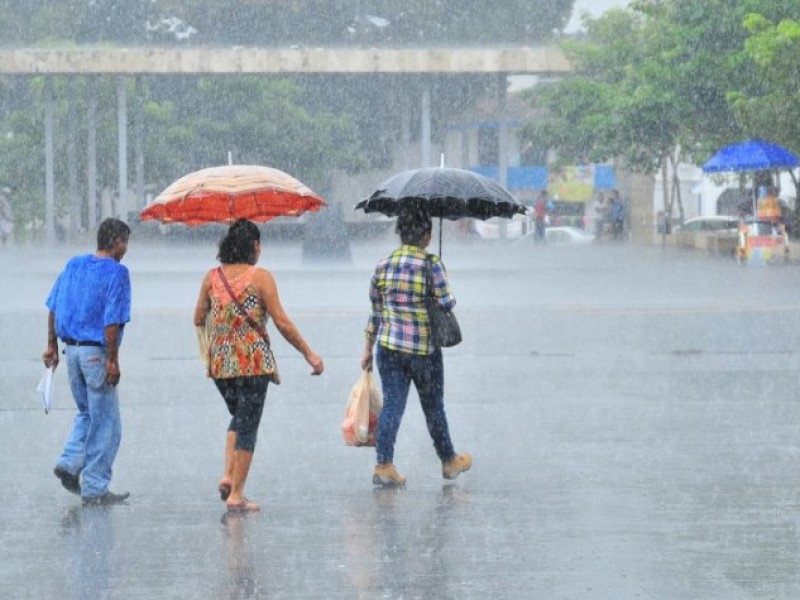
(244, 397)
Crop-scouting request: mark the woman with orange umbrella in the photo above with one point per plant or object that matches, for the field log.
(240, 297)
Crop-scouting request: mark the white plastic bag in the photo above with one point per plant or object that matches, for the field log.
(360, 424)
(45, 388)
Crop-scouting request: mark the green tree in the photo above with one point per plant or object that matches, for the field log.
(621, 104)
(664, 78)
(772, 113)
(305, 125)
(278, 23)
(186, 126)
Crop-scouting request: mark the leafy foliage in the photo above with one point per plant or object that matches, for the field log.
(675, 76)
(772, 110)
(669, 73)
(281, 22)
(307, 126)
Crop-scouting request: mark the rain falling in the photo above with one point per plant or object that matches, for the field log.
(603, 193)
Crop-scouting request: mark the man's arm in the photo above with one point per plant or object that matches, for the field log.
(112, 349)
(50, 356)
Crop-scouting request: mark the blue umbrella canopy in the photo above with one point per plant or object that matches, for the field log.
(751, 155)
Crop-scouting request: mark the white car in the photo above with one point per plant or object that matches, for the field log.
(709, 223)
(567, 235)
(560, 234)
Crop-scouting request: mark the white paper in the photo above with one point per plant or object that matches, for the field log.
(45, 388)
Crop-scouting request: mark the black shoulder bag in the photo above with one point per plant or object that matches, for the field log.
(445, 330)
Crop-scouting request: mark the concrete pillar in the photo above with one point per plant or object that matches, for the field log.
(472, 146)
(106, 203)
(122, 149)
(502, 160)
(91, 152)
(49, 174)
(465, 162)
(425, 126)
(502, 142)
(138, 143)
(405, 133)
(72, 160)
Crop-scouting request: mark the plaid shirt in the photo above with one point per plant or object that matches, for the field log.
(399, 319)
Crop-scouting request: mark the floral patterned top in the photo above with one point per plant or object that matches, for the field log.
(235, 348)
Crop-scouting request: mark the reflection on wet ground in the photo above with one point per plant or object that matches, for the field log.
(631, 412)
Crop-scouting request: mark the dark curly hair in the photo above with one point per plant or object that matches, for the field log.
(413, 222)
(239, 244)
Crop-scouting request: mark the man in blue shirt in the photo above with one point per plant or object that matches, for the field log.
(89, 305)
(617, 216)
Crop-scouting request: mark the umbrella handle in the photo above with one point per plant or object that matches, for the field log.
(440, 238)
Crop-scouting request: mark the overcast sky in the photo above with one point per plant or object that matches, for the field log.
(594, 7)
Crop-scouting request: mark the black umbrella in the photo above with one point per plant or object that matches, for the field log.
(449, 193)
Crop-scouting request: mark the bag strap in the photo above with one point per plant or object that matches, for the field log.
(250, 320)
(429, 275)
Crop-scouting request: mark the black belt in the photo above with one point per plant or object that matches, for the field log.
(71, 342)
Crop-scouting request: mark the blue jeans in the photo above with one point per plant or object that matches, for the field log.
(398, 370)
(96, 429)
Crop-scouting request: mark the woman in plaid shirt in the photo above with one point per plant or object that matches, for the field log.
(399, 324)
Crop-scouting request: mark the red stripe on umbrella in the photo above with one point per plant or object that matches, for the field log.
(224, 194)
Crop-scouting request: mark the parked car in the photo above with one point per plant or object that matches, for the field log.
(566, 234)
(709, 223)
(561, 234)
(762, 242)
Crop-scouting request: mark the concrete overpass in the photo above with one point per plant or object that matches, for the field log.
(136, 61)
(133, 62)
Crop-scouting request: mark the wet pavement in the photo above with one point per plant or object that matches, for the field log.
(632, 413)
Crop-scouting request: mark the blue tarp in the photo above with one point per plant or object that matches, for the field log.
(536, 177)
(604, 177)
(519, 178)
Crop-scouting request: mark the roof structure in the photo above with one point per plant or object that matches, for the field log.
(29, 61)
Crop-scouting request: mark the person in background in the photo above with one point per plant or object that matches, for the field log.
(89, 305)
(540, 217)
(769, 206)
(6, 216)
(616, 216)
(744, 209)
(239, 298)
(598, 216)
(400, 327)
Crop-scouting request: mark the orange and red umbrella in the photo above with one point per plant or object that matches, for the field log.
(227, 193)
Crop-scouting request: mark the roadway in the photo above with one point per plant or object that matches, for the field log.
(632, 412)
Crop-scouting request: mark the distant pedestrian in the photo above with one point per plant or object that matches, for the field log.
(616, 216)
(745, 207)
(240, 297)
(6, 216)
(540, 217)
(598, 215)
(89, 305)
(399, 325)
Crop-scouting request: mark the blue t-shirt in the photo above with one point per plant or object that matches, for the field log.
(90, 294)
